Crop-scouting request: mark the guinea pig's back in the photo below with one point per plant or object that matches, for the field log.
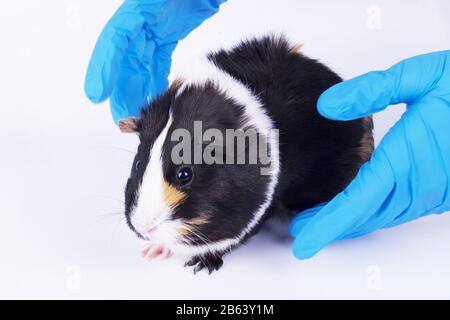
(319, 157)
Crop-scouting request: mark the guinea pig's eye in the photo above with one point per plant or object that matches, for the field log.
(184, 175)
(137, 165)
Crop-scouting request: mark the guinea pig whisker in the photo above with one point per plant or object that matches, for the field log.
(101, 217)
(202, 238)
(190, 230)
(121, 201)
(121, 149)
(194, 235)
(113, 213)
(207, 242)
(114, 232)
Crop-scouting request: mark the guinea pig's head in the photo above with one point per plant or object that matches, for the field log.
(186, 191)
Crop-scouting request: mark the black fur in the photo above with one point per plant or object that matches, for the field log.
(318, 156)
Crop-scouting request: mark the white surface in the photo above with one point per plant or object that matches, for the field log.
(63, 163)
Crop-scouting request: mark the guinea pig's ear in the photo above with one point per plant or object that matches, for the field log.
(129, 125)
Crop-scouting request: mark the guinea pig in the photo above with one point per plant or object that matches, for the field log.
(181, 202)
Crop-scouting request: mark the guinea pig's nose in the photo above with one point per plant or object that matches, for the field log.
(150, 226)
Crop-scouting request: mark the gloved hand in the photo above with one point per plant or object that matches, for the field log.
(132, 57)
(408, 176)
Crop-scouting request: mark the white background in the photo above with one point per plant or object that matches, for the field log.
(63, 163)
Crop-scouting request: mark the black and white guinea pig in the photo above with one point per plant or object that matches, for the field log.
(203, 210)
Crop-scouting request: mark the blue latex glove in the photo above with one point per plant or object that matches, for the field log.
(408, 175)
(132, 57)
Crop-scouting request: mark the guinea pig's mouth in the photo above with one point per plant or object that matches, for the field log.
(172, 237)
(167, 232)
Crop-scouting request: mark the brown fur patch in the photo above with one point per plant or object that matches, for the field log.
(295, 48)
(202, 219)
(172, 196)
(183, 231)
(193, 223)
(129, 125)
(367, 143)
(176, 84)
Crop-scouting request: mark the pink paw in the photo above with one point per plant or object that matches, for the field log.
(153, 251)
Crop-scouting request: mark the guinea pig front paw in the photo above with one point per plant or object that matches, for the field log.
(152, 251)
(211, 262)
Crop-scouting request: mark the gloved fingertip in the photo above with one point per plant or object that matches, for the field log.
(329, 105)
(94, 98)
(94, 90)
(301, 253)
(303, 218)
(219, 2)
(297, 224)
(356, 98)
(116, 118)
(120, 110)
(293, 229)
(117, 113)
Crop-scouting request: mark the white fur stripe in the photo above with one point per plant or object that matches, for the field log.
(256, 116)
(151, 208)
